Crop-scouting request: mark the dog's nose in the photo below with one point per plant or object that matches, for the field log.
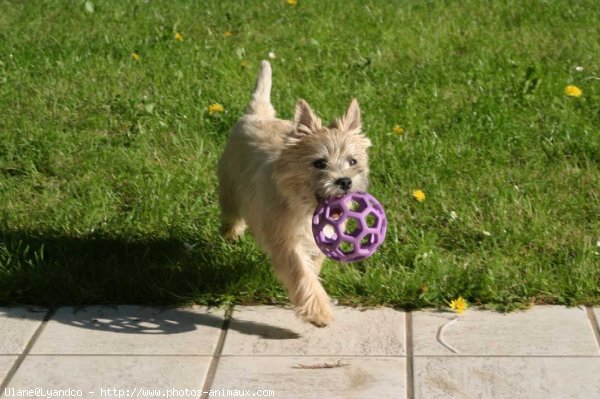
(345, 183)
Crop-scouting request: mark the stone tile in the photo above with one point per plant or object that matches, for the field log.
(542, 330)
(6, 363)
(131, 330)
(269, 330)
(372, 377)
(127, 375)
(18, 326)
(507, 377)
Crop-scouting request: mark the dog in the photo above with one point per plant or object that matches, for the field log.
(273, 174)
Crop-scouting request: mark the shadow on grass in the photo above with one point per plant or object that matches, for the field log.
(56, 270)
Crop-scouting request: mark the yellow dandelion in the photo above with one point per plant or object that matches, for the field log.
(459, 305)
(135, 56)
(244, 64)
(215, 108)
(398, 129)
(228, 33)
(573, 91)
(419, 195)
(292, 2)
(178, 37)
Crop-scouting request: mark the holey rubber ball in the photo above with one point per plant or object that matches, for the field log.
(349, 228)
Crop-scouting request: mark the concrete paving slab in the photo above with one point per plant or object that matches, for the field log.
(507, 377)
(6, 363)
(131, 330)
(269, 330)
(18, 326)
(112, 376)
(358, 377)
(542, 330)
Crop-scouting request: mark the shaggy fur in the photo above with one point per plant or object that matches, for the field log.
(273, 174)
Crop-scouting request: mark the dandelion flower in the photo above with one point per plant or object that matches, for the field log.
(228, 33)
(215, 108)
(292, 2)
(178, 37)
(419, 195)
(459, 305)
(398, 130)
(135, 56)
(573, 91)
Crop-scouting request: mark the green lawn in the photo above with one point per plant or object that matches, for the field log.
(107, 163)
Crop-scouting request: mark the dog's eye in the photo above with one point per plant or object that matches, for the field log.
(352, 162)
(320, 164)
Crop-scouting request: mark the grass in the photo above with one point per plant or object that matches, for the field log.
(107, 163)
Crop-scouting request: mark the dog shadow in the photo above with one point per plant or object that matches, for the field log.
(51, 271)
(130, 319)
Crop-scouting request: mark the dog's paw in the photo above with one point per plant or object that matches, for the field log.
(319, 314)
(233, 232)
(320, 324)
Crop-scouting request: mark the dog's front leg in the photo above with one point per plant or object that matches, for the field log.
(299, 274)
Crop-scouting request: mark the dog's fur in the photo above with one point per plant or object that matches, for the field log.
(269, 180)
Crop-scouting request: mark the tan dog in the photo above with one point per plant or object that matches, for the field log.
(272, 176)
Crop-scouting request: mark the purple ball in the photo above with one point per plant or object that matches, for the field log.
(349, 228)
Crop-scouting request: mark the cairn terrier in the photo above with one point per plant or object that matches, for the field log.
(272, 176)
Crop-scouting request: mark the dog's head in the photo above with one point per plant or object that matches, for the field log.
(323, 161)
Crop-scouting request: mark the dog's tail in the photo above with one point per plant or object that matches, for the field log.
(261, 98)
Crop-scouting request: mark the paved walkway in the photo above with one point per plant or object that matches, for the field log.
(132, 351)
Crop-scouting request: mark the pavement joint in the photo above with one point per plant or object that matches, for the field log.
(410, 376)
(214, 364)
(26, 351)
(595, 325)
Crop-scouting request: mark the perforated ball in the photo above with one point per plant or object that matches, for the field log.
(349, 228)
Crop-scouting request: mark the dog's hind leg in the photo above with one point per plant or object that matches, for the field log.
(232, 227)
(232, 223)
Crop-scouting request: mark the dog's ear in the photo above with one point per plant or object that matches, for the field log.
(351, 120)
(305, 120)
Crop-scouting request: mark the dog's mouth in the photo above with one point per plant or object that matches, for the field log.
(320, 198)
